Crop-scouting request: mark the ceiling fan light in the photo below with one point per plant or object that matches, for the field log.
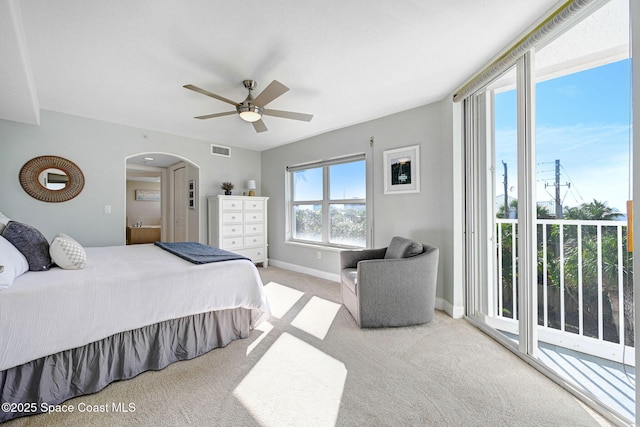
(250, 116)
(250, 113)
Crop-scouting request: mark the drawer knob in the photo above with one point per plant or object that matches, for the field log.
(254, 217)
(233, 217)
(254, 240)
(233, 242)
(233, 229)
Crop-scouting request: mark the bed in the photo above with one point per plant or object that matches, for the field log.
(65, 333)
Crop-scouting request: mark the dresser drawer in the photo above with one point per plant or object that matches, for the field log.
(254, 228)
(254, 241)
(232, 218)
(232, 242)
(250, 205)
(232, 230)
(253, 217)
(255, 254)
(231, 205)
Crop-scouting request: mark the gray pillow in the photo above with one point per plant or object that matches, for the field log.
(31, 243)
(402, 248)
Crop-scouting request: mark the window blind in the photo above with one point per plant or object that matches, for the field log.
(555, 24)
(329, 162)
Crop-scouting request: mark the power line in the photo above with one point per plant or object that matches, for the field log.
(573, 183)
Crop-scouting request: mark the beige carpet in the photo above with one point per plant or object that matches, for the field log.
(311, 365)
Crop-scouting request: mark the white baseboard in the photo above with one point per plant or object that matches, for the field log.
(457, 312)
(305, 270)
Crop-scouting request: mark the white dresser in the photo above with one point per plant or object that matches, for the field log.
(239, 224)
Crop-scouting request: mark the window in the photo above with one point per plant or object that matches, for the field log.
(328, 202)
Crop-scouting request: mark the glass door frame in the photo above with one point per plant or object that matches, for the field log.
(481, 269)
(480, 231)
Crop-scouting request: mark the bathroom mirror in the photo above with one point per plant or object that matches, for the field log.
(51, 179)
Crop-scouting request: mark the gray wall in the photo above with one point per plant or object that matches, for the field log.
(425, 216)
(99, 149)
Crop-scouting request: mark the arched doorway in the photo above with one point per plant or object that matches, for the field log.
(161, 198)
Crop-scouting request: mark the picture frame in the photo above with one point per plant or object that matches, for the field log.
(147, 195)
(192, 194)
(402, 170)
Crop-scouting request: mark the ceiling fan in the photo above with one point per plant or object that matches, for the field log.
(252, 110)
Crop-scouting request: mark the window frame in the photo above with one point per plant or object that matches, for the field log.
(326, 202)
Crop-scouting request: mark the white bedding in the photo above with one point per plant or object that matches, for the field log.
(120, 289)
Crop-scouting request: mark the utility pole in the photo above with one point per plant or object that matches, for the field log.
(506, 187)
(558, 201)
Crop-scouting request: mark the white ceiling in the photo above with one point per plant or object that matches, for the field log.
(346, 62)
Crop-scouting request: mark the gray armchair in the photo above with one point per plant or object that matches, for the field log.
(392, 286)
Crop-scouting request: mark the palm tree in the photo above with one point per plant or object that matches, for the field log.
(595, 210)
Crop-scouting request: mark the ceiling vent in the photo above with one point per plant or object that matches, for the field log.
(219, 150)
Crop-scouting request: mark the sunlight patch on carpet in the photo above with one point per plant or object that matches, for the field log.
(316, 317)
(281, 298)
(265, 327)
(293, 383)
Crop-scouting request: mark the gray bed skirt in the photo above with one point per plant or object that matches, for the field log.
(53, 379)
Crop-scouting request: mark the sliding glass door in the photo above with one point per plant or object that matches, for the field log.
(548, 178)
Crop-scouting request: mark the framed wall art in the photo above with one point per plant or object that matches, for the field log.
(402, 170)
(192, 194)
(147, 195)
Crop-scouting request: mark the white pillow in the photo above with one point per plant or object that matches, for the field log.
(3, 222)
(13, 262)
(67, 253)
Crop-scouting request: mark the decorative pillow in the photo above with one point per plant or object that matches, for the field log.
(402, 248)
(67, 253)
(3, 222)
(14, 263)
(33, 245)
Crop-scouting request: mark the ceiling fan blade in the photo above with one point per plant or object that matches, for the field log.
(271, 92)
(288, 115)
(211, 116)
(259, 126)
(213, 95)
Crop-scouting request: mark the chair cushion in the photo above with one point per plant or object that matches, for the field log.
(350, 278)
(403, 248)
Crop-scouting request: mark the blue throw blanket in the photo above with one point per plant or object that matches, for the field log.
(198, 253)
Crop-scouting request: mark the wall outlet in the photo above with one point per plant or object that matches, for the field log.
(319, 255)
(107, 209)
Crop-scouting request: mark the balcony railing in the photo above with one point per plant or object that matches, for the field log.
(585, 293)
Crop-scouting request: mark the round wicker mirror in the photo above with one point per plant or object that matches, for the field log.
(51, 179)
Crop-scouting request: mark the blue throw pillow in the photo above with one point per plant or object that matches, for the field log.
(31, 243)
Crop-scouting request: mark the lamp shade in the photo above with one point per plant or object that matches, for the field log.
(252, 186)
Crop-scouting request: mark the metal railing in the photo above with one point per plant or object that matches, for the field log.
(585, 296)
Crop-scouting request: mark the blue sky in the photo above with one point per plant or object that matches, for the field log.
(583, 120)
(347, 181)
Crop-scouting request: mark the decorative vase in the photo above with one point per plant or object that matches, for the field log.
(227, 192)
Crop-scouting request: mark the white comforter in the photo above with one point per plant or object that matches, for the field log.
(120, 289)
